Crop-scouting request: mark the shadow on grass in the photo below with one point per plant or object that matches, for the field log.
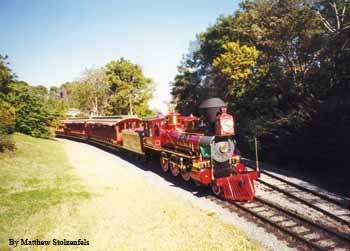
(27, 203)
(152, 165)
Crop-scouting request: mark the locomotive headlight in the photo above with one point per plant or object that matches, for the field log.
(223, 148)
(222, 151)
(227, 125)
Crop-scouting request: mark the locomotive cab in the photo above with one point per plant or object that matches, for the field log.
(152, 128)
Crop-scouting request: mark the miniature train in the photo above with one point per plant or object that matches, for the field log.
(204, 151)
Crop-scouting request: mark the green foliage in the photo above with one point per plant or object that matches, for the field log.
(34, 110)
(90, 93)
(24, 108)
(7, 118)
(236, 62)
(7, 113)
(32, 116)
(7, 125)
(294, 69)
(130, 89)
(5, 75)
(187, 92)
(234, 67)
(117, 88)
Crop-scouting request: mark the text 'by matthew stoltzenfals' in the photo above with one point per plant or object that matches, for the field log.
(56, 242)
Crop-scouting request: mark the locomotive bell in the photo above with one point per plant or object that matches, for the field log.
(211, 107)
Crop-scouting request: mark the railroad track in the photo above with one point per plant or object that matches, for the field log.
(310, 198)
(298, 227)
(329, 207)
(320, 195)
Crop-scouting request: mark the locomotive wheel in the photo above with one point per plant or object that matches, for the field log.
(197, 183)
(217, 190)
(164, 162)
(186, 175)
(174, 168)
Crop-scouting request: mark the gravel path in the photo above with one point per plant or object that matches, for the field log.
(136, 209)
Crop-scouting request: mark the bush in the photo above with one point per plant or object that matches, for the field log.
(6, 142)
(32, 116)
(7, 125)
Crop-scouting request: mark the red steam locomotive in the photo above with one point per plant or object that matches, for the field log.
(204, 151)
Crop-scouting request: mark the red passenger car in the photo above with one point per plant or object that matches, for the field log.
(108, 130)
(73, 128)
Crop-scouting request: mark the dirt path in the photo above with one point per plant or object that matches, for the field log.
(130, 212)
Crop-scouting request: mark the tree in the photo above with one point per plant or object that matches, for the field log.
(7, 113)
(91, 92)
(41, 92)
(6, 75)
(334, 15)
(130, 89)
(117, 88)
(32, 116)
(335, 18)
(273, 92)
(234, 67)
(187, 92)
(289, 35)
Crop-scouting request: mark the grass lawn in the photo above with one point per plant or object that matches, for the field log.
(103, 200)
(34, 179)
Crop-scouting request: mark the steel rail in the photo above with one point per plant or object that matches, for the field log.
(320, 195)
(298, 219)
(304, 219)
(279, 227)
(330, 215)
(325, 197)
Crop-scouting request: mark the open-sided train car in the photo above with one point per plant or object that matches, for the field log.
(72, 128)
(204, 151)
(102, 130)
(109, 130)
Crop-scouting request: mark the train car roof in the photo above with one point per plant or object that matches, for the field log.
(107, 120)
(75, 121)
(153, 119)
(111, 121)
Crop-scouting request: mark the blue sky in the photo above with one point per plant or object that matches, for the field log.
(51, 42)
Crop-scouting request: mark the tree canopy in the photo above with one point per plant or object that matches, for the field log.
(24, 108)
(119, 87)
(130, 89)
(282, 67)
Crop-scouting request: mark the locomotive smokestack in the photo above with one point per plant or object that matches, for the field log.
(211, 107)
